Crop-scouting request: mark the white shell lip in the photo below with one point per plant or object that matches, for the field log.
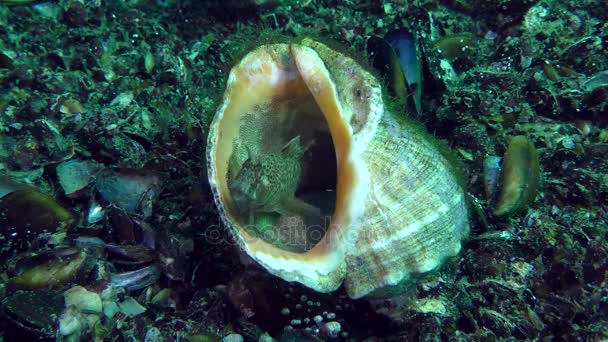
(324, 267)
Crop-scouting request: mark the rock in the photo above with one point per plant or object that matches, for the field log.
(131, 307)
(83, 300)
(331, 330)
(233, 338)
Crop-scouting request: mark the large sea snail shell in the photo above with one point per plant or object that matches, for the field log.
(395, 209)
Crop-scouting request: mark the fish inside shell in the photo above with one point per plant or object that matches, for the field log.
(303, 197)
(370, 203)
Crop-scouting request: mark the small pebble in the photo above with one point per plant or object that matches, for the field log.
(568, 143)
(153, 335)
(298, 306)
(331, 315)
(265, 337)
(331, 329)
(233, 338)
(318, 319)
(296, 322)
(303, 298)
(285, 311)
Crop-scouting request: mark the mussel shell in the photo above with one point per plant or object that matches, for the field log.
(53, 272)
(31, 315)
(138, 279)
(406, 47)
(385, 60)
(520, 177)
(24, 214)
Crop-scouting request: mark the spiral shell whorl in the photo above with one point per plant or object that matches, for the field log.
(414, 206)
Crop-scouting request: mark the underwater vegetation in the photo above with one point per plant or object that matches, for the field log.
(316, 170)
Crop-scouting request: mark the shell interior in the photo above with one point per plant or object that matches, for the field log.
(269, 106)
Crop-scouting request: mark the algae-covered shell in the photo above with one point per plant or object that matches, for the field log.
(395, 209)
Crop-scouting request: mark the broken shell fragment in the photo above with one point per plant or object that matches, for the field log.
(133, 190)
(380, 202)
(520, 177)
(491, 175)
(70, 106)
(75, 175)
(84, 300)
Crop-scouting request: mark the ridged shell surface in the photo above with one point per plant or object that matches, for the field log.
(399, 212)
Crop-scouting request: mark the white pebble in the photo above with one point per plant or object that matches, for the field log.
(331, 329)
(233, 338)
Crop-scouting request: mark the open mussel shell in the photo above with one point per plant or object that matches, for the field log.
(31, 315)
(26, 213)
(406, 47)
(398, 58)
(48, 269)
(385, 60)
(7, 185)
